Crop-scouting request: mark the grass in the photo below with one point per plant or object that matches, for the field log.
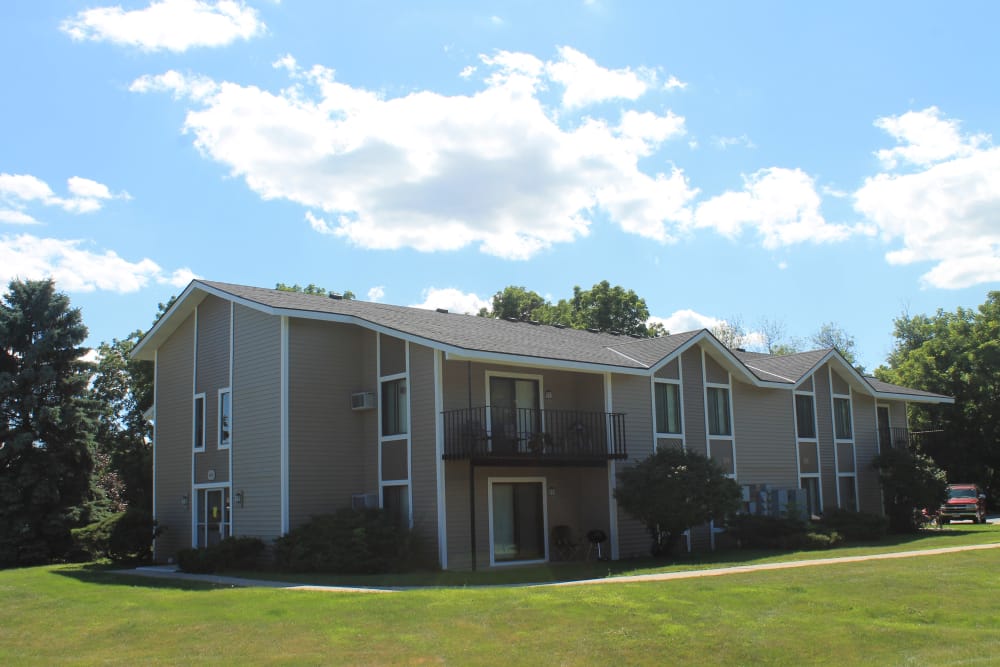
(931, 610)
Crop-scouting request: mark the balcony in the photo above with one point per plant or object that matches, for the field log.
(504, 436)
(893, 438)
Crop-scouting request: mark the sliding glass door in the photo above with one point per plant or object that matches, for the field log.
(517, 517)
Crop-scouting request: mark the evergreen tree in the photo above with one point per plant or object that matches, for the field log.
(45, 422)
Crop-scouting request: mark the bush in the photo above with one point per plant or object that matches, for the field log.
(856, 526)
(232, 553)
(790, 533)
(350, 541)
(124, 536)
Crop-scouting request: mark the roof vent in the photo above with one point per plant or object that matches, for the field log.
(512, 319)
(593, 330)
(535, 322)
(739, 349)
(559, 325)
(336, 296)
(442, 310)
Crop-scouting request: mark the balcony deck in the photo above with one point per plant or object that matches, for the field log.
(519, 437)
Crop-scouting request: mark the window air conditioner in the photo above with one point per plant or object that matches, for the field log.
(362, 400)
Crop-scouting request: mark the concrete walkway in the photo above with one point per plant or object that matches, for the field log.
(171, 572)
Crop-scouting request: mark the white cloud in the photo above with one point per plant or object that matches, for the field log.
(467, 71)
(585, 82)
(454, 300)
(781, 204)
(686, 320)
(77, 269)
(723, 143)
(17, 191)
(673, 82)
(945, 208)
(376, 293)
(172, 25)
(925, 138)
(434, 172)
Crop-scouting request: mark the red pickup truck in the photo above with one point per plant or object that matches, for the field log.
(965, 501)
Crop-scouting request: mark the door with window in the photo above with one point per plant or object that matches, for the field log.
(213, 516)
(517, 520)
(884, 427)
(514, 416)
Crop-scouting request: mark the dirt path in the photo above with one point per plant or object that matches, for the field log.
(170, 572)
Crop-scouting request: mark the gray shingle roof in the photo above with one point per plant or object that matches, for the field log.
(783, 368)
(887, 388)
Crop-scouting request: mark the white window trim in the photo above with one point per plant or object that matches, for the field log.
(680, 407)
(396, 437)
(814, 441)
(194, 422)
(709, 437)
(545, 517)
(517, 376)
(227, 490)
(854, 450)
(225, 391)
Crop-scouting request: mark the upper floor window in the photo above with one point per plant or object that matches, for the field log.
(199, 422)
(668, 407)
(394, 407)
(842, 418)
(805, 418)
(225, 418)
(718, 411)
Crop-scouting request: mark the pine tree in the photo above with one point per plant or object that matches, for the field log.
(45, 422)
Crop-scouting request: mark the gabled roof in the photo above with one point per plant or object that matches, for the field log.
(471, 337)
(887, 390)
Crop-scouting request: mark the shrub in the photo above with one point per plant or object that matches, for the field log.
(767, 532)
(350, 541)
(856, 526)
(124, 536)
(910, 481)
(232, 553)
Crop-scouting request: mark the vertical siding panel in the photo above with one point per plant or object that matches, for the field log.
(694, 402)
(865, 450)
(765, 436)
(213, 375)
(423, 447)
(824, 432)
(257, 423)
(326, 437)
(630, 394)
(174, 424)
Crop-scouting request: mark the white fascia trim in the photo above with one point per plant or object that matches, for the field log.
(442, 518)
(910, 398)
(156, 377)
(284, 467)
(192, 505)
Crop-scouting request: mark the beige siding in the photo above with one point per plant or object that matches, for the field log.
(714, 373)
(423, 447)
(174, 425)
(840, 385)
(327, 439)
(630, 394)
(694, 402)
(897, 415)
(456, 475)
(765, 436)
(257, 423)
(670, 371)
(570, 391)
(212, 375)
(866, 448)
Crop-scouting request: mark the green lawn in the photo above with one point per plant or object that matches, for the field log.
(930, 610)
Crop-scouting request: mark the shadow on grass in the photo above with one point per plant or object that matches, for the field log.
(109, 574)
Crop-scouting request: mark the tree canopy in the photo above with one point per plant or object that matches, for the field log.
(602, 308)
(673, 490)
(46, 426)
(312, 289)
(956, 354)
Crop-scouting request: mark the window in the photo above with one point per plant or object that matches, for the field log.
(805, 420)
(394, 407)
(848, 497)
(212, 510)
(842, 418)
(517, 517)
(718, 411)
(225, 418)
(668, 407)
(199, 422)
(396, 503)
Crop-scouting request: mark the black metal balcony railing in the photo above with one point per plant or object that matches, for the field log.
(896, 437)
(520, 436)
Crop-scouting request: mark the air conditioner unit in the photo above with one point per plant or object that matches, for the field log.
(363, 501)
(362, 400)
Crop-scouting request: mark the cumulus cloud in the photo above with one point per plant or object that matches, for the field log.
(376, 293)
(939, 198)
(686, 320)
(585, 82)
(498, 168)
(454, 300)
(75, 268)
(18, 191)
(782, 205)
(167, 25)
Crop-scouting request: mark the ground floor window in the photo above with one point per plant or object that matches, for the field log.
(848, 492)
(214, 521)
(396, 503)
(810, 486)
(517, 520)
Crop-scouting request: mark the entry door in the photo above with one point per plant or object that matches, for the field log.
(884, 432)
(213, 516)
(518, 518)
(514, 414)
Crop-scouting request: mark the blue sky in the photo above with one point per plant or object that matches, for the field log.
(796, 162)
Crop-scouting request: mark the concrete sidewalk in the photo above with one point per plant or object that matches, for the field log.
(171, 572)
